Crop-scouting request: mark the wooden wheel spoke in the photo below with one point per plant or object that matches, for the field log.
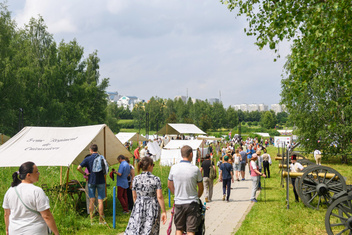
(331, 179)
(319, 202)
(312, 198)
(307, 192)
(345, 210)
(335, 225)
(342, 231)
(339, 216)
(325, 176)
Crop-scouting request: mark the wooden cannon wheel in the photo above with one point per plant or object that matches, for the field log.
(338, 217)
(316, 189)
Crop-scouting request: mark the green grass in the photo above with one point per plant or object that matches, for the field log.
(68, 219)
(270, 217)
(124, 121)
(273, 217)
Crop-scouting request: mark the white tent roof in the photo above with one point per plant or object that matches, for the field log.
(180, 128)
(127, 136)
(177, 144)
(60, 146)
(263, 134)
(203, 137)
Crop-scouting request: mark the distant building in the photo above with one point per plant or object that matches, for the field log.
(263, 107)
(236, 107)
(277, 108)
(214, 100)
(113, 96)
(182, 97)
(250, 107)
(253, 107)
(128, 102)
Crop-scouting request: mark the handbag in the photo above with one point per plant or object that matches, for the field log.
(34, 211)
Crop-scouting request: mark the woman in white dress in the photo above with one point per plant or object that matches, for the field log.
(27, 209)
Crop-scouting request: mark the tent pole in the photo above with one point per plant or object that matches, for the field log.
(67, 175)
(2, 138)
(60, 175)
(106, 202)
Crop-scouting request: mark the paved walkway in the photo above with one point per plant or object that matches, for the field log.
(234, 211)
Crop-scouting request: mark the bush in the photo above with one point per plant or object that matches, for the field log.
(274, 133)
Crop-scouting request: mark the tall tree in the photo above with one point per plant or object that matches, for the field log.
(317, 86)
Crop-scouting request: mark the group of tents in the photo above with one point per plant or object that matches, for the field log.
(63, 146)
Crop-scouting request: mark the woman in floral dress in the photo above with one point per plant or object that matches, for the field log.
(148, 198)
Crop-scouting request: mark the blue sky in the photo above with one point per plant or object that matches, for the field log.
(164, 48)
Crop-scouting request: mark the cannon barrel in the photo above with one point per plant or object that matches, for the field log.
(300, 174)
(285, 166)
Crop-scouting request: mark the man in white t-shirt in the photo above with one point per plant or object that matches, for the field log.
(183, 180)
(317, 156)
(295, 167)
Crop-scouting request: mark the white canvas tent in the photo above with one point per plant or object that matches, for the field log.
(60, 146)
(154, 149)
(171, 153)
(179, 129)
(130, 136)
(263, 134)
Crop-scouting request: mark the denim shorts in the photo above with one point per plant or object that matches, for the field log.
(93, 187)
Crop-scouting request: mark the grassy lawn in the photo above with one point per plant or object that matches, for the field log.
(273, 217)
(269, 216)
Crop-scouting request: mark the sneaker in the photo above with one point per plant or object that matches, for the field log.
(206, 199)
(102, 223)
(243, 179)
(223, 197)
(125, 212)
(254, 200)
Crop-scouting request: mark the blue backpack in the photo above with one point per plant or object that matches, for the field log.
(100, 164)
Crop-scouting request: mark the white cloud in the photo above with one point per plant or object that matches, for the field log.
(164, 47)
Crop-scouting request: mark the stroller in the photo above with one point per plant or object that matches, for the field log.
(201, 226)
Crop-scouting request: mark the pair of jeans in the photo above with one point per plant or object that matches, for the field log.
(122, 196)
(266, 168)
(226, 183)
(208, 187)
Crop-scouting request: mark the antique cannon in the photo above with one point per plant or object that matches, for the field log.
(317, 185)
(338, 217)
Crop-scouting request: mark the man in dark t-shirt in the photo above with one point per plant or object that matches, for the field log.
(208, 183)
(96, 181)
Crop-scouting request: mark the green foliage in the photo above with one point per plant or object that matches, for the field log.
(274, 133)
(268, 120)
(53, 84)
(317, 86)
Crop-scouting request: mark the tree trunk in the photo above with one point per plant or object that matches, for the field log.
(344, 159)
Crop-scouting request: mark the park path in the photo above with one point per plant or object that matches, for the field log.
(222, 217)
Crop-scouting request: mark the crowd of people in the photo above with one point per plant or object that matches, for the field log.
(141, 195)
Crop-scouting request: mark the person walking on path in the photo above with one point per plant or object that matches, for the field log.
(183, 180)
(145, 216)
(255, 175)
(237, 164)
(208, 183)
(295, 167)
(26, 207)
(250, 151)
(136, 157)
(243, 162)
(317, 156)
(226, 176)
(122, 182)
(267, 163)
(96, 181)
